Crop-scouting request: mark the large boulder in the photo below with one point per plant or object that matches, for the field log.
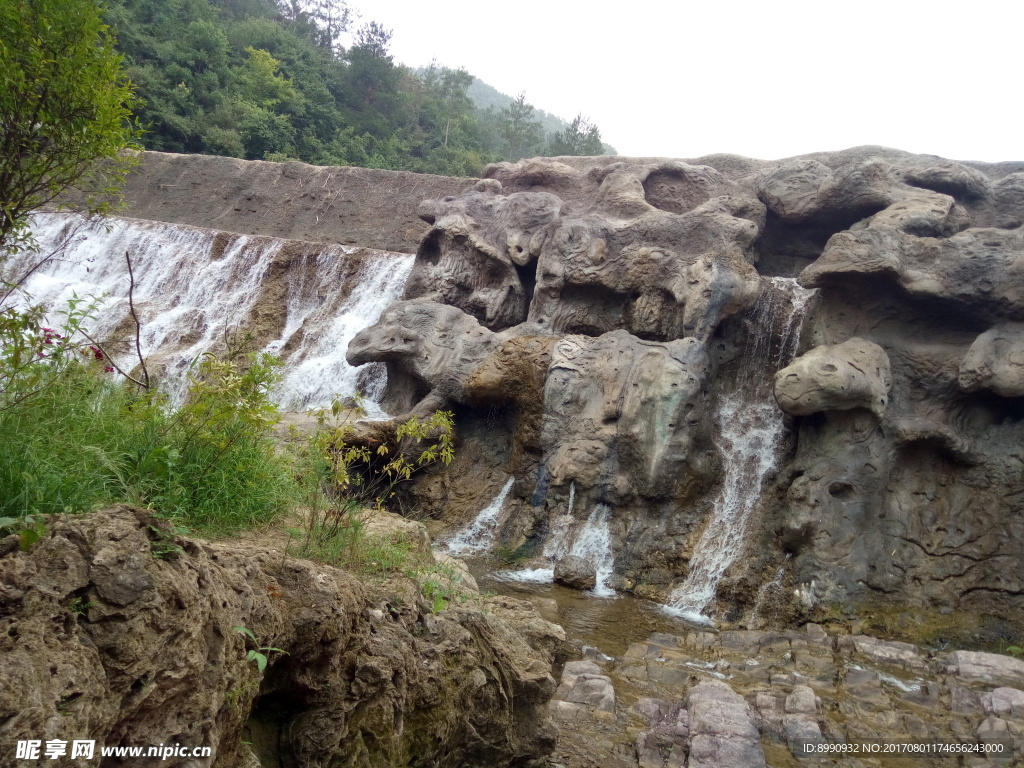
(575, 572)
(995, 362)
(625, 416)
(854, 374)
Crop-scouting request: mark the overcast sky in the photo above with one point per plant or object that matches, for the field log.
(765, 79)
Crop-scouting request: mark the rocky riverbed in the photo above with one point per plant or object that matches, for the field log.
(748, 699)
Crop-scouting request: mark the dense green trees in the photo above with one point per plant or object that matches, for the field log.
(581, 137)
(64, 105)
(264, 79)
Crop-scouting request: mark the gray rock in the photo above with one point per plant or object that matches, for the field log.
(854, 374)
(722, 730)
(995, 362)
(575, 573)
(625, 416)
(989, 667)
(1006, 702)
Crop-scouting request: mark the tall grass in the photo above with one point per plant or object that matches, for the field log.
(86, 440)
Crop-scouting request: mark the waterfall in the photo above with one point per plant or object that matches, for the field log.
(194, 285)
(479, 535)
(750, 431)
(594, 544)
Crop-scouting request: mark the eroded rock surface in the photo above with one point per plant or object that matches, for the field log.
(114, 629)
(854, 374)
(901, 472)
(995, 362)
(624, 416)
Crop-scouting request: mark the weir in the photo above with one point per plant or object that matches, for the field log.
(193, 286)
(750, 432)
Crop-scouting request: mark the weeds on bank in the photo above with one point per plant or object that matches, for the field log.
(78, 432)
(345, 474)
(75, 437)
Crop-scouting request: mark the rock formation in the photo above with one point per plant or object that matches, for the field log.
(854, 374)
(632, 279)
(746, 699)
(915, 500)
(114, 629)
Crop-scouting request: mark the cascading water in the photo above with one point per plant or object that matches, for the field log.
(556, 546)
(189, 295)
(751, 428)
(479, 535)
(594, 544)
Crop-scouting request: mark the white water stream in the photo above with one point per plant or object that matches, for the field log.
(479, 535)
(751, 429)
(593, 543)
(189, 296)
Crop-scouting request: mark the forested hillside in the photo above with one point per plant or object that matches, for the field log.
(266, 79)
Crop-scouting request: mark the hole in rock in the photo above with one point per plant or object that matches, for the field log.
(430, 251)
(676, 191)
(785, 247)
(528, 278)
(842, 491)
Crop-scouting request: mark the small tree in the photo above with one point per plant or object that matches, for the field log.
(65, 108)
(581, 137)
(518, 128)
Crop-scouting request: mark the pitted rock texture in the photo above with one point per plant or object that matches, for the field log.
(102, 639)
(854, 374)
(624, 416)
(471, 255)
(901, 478)
(995, 362)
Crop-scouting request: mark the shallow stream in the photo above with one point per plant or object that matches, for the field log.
(608, 624)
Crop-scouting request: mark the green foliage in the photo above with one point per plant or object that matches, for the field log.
(80, 606)
(252, 79)
(258, 654)
(64, 106)
(336, 535)
(441, 585)
(342, 476)
(521, 132)
(86, 440)
(366, 473)
(581, 137)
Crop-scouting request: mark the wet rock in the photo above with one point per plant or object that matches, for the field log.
(575, 573)
(854, 374)
(583, 684)
(664, 743)
(624, 415)
(722, 730)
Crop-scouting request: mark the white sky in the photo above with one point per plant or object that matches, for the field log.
(764, 78)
